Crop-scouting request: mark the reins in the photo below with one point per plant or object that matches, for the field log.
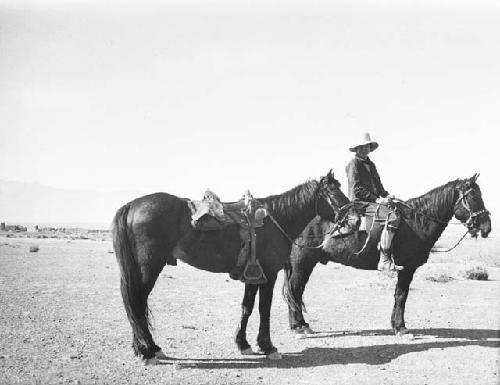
(336, 225)
(340, 219)
(441, 250)
(465, 205)
(420, 212)
(294, 242)
(280, 228)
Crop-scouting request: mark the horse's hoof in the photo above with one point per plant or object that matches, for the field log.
(150, 361)
(405, 336)
(160, 355)
(303, 332)
(274, 356)
(408, 337)
(247, 352)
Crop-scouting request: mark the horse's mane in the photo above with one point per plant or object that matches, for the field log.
(436, 199)
(285, 205)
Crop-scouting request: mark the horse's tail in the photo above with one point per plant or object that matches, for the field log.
(295, 304)
(133, 294)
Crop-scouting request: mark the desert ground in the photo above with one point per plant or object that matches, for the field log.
(62, 321)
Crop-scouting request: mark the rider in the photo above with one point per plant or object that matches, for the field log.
(365, 185)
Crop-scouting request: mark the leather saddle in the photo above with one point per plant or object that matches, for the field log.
(210, 214)
(373, 217)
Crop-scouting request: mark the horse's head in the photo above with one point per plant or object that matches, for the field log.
(470, 210)
(330, 198)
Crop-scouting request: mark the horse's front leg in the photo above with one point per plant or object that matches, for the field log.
(400, 295)
(297, 279)
(246, 311)
(265, 302)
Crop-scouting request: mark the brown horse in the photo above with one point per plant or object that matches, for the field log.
(156, 229)
(423, 221)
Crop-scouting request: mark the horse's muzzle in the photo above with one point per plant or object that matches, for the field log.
(485, 226)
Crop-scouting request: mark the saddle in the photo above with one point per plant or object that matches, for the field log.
(373, 218)
(377, 215)
(210, 214)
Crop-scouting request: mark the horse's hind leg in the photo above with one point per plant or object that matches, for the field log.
(149, 274)
(142, 340)
(265, 302)
(142, 270)
(246, 311)
(138, 275)
(400, 295)
(143, 240)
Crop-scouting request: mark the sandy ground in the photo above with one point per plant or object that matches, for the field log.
(62, 321)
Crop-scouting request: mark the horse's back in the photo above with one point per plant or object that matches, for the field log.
(154, 206)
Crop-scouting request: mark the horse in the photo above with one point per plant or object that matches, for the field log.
(423, 220)
(156, 229)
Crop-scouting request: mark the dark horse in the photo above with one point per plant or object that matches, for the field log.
(423, 220)
(155, 230)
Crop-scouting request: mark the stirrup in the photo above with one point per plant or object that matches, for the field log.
(384, 264)
(253, 274)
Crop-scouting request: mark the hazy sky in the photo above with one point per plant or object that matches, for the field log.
(179, 96)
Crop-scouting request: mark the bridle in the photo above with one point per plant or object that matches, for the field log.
(322, 193)
(471, 221)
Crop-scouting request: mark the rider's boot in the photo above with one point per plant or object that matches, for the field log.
(386, 263)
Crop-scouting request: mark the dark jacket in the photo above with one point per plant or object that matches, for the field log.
(364, 185)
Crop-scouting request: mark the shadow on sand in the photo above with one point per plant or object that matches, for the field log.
(371, 355)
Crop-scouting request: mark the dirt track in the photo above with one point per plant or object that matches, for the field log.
(63, 322)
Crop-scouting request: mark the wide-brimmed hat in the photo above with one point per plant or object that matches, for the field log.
(365, 140)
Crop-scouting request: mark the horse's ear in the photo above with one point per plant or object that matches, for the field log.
(330, 173)
(474, 177)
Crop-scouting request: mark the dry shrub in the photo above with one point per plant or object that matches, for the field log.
(474, 270)
(440, 273)
(34, 249)
(439, 277)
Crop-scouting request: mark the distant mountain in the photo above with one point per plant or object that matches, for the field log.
(33, 203)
